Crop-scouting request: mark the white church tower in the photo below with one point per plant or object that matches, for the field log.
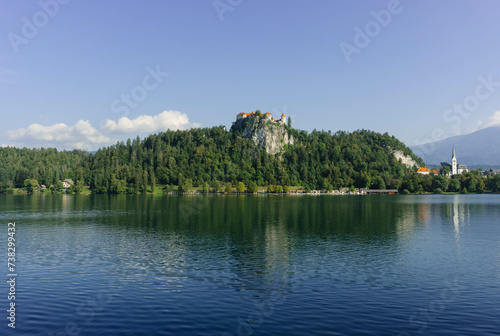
(454, 164)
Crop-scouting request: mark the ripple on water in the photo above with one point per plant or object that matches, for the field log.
(319, 268)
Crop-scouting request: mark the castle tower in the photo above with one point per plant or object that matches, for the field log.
(454, 164)
(283, 119)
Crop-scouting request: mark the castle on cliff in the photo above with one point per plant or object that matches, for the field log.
(266, 132)
(265, 116)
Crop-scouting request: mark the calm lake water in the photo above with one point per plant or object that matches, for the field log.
(252, 265)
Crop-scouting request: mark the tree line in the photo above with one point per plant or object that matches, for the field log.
(213, 159)
(472, 181)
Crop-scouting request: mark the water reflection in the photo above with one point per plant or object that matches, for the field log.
(420, 211)
(410, 218)
(457, 213)
(203, 262)
(277, 251)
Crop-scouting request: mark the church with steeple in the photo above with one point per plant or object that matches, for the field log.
(455, 168)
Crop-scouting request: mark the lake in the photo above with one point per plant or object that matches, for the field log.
(254, 265)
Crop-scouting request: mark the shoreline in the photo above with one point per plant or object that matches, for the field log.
(200, 193)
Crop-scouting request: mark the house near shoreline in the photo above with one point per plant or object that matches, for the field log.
(427, 171)
(455, 167)
(67, 183)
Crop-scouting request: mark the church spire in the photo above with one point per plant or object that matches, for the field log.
(454, 163)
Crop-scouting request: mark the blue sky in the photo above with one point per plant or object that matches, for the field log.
(87, 73)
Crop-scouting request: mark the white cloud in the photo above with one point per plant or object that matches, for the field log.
(173, 120)
(82, 135)
(494, 120)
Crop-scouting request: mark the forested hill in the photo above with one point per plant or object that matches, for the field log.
(318, 159)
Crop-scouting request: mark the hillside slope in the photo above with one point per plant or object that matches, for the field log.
(319, 159)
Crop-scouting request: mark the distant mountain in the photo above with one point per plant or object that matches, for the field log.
(481, 148)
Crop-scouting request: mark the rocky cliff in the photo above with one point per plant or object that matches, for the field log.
(265, 133)
(407, 160)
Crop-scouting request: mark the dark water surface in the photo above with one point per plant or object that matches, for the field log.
(251, 265)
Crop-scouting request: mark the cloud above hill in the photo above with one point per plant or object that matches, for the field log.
(81, 135)
(84, 136)
(173, 120)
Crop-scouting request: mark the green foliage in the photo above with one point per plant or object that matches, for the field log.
(206, 188)
(47, 166)
(77, 188)
(252, 187)
(59, 186)
(378, 183)
(115, 186)
(216, 186)
(145, 181)
(472, 182)
(445, 170)
(3, 187)
(168, 188)
(152, 178)
(454, 185)
(286, 189)
(185, 184)
(318, 160)
(31, 185)
(493, 183)
(440, 182)
(229, 188)
(240, 188)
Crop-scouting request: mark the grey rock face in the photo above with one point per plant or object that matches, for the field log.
(265, 133)
(405, 159)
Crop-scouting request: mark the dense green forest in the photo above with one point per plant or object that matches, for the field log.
(213, 157)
